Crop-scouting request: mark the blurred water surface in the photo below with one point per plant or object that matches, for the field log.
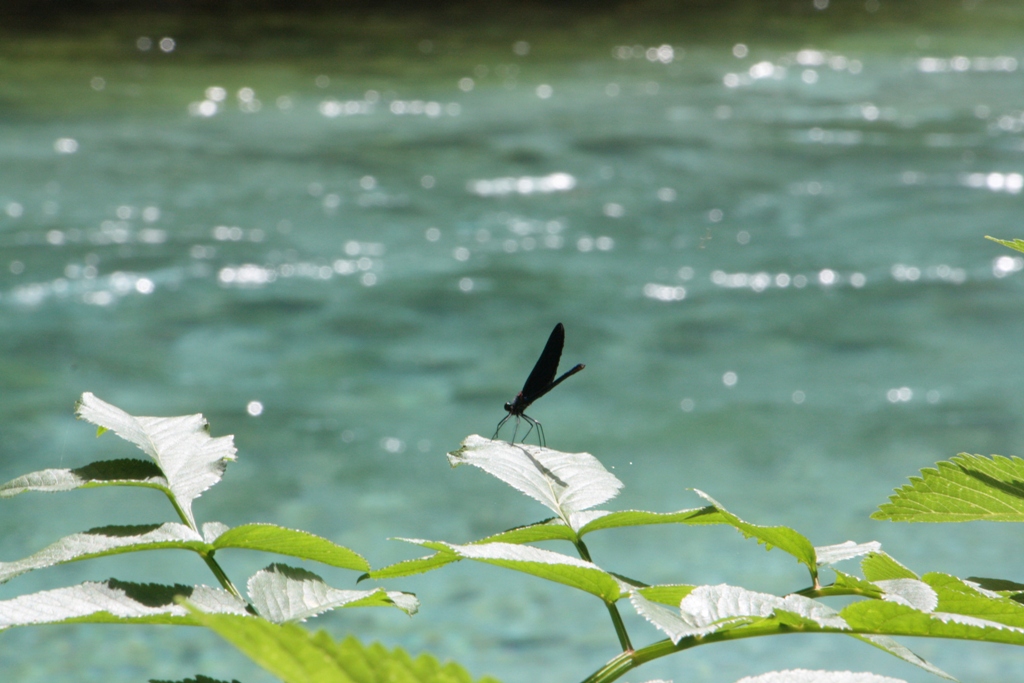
(346, 239)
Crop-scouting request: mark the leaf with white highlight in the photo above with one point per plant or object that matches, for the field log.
(123, 472)
(669, 621)
(891, 618)
(807, 676)
(830, 554)
(781, 537)
(282, 594)
(708, 609)
(545, 564)
(114, 601)
(566, 483)
(909, 592)
(708, 605)
(103, 541)
(190, 459)
(965, 598)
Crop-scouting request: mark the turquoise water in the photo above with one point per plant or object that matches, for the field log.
(764, 236)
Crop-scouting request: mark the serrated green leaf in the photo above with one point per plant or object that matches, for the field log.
(124, 472)
(1017, 244)
(710, 609)
(1005, 587)
(281, 593)
(412, 567)
(103, 541)
(566, 483)
(781, 537)
(553, 529)
(189, 458)
(666, 594)
(114, 601)
(631, 518)
(296, 656)
(830, 554)
(285, 650)
(671, 622)
(856, 585)
(965, 489)
(881, 567)
(276, 539)
(959, 597)
(890, 618)
(545, 564)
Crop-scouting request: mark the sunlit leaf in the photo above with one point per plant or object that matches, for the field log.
(780, 537)
(881, 567)
(666, 594)
(667, 620)
(1004, 587)
(956, 596)
(102, 541)
(276, 539)
(411, 567)
(711, 604)
(124, 472)
(856, 585)
(709, 609)
(965, 489)
(554, 529)
(545, 564)
(281, 593)
(297, 656)
(565, 483)
(1017, 244)
(631, 518)
(890, 618)
(114, 601)
(910, 592)
(190, 459)
(830, 554)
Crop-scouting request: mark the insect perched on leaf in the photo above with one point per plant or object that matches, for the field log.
(541, 381)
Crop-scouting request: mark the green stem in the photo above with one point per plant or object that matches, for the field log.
(627, 661)
(222, 577)
(217, 570)
(613, 610)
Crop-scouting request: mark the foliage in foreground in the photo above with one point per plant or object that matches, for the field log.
(184, 462)
(890, 601)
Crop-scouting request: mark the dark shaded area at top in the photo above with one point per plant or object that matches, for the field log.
(40, 14)
(262, 29)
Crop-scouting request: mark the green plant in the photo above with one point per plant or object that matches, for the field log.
(889, 599)
(893, 600)
(185, 462)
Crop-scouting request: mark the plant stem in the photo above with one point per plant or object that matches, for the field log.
(217, 570)
(222, 576)
(613, 610)
(627, 661)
